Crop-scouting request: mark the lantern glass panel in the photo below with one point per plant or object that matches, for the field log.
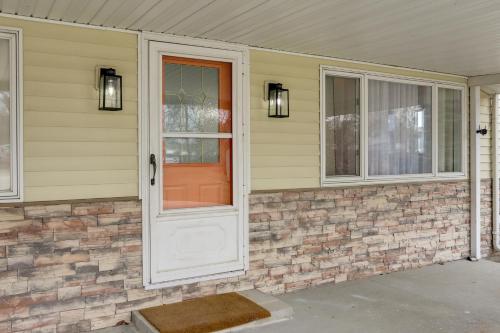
(273, 112)
(283, 102)
(112, 92)
(110, 89)
(278, 101)
(101, 92)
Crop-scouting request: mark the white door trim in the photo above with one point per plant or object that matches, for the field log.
(243, 88)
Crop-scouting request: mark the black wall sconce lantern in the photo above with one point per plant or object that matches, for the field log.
(482, 131)
(278, 100)
(110, 90)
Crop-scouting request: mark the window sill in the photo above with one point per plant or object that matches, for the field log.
(388, 181)
(10, 199)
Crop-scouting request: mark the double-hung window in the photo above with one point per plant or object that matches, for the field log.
(377, 128)
(10, 117)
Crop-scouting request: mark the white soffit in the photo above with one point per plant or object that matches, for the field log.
(450, 36)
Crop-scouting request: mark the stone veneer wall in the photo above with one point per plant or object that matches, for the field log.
(72, 267)
(486, 217)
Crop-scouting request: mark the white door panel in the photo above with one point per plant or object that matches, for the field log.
(197, 201)
(194, 246)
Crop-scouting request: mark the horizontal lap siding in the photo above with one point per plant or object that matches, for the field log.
(71, 149)
(285, 153)
(485, 121)
(75, 151)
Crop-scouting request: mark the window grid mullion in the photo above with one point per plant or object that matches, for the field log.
(364, 122)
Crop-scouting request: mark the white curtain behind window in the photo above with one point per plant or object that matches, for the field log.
(450, 130)
(399, 128)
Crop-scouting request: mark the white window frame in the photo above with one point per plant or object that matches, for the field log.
(16, 106)
(465, 131)
(364, 178)
(351, 75)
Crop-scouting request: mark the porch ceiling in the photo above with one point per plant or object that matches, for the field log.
(451, 36)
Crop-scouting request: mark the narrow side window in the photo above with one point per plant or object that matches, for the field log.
(342, 126)
(449, 130)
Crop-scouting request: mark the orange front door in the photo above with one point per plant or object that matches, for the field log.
(197, 133)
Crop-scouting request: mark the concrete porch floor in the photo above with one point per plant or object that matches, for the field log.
(458, 297)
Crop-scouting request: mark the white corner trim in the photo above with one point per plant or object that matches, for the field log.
(496, 173)
(475, 176)
(139, 118)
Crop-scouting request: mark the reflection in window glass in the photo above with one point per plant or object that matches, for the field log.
(342, 126)
(450, 130)
(191, 150)
(399, 128)
(192, 99)
(197, 172)
(197, 127)
(5, 119)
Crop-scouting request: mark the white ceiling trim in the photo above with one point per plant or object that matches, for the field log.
(171, 37)
(445, 36)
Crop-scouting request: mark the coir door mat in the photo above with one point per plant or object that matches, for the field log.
(205, 314)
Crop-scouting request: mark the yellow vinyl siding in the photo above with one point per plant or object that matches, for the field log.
(485, 142)
(71, 149)
(285, 153)
(74, 151)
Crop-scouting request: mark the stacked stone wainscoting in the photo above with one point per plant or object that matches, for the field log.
(72, 267)
(486, 217)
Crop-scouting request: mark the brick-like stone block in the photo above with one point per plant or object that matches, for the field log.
(69, 292)
(35, 322)
(94, 208)
(47, 211)
(11, 214)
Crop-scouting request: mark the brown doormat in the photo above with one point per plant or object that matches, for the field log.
(205, 314)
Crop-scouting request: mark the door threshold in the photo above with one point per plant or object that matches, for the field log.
(180, 282)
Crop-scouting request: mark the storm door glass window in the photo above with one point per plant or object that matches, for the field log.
(342, 126)
(197, 133)
(450, 130)
(399, 128)
(6, 120)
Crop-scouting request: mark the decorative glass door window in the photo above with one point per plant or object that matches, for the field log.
(197, 133)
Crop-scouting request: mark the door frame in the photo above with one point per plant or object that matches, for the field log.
(242, 98)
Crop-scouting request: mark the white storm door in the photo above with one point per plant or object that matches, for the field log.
(196, 163)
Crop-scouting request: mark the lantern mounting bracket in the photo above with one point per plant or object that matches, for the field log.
(98, 74)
